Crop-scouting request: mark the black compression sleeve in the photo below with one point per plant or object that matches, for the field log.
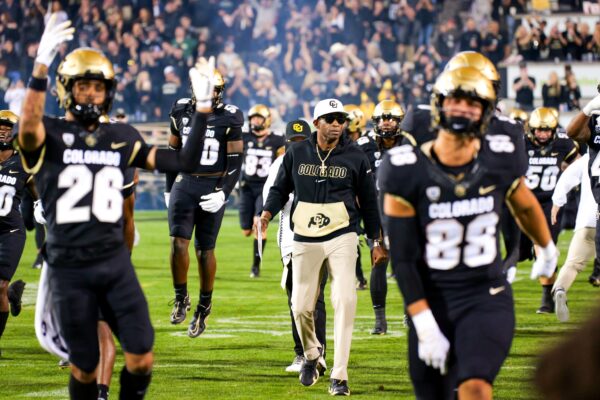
(405, 251)
(232, 174)
(189, 156)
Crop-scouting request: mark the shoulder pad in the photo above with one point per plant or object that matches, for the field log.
(180, 105)
(363, 140)
(402, 155)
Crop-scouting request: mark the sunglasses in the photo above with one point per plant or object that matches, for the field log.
(340, 118)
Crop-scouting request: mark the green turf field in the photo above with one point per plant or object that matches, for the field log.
(248, 342)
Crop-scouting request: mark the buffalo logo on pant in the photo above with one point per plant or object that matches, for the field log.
(320, 220)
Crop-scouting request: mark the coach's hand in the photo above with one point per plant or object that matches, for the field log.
(38, 212)
(379, 255)
(433, 345)
(213, 202)
(54, 35)
(202, 78)
(546, 260)
(554, 214)
(167, 198)
(264, 219)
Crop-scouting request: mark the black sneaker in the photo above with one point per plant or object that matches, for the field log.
(339, 388)
(361, 284)
(380, 327)
(198, 324)
(594, 280)
(15, 292)
(180, 309)
(547, 306)
(255, 271)
(308, 373)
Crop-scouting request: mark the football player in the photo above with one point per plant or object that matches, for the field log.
(197, 200)
(442, 203)
(355, 129)
(387, 118)
(79, 164)
(261, 148)
(13, 181)
(548, 155)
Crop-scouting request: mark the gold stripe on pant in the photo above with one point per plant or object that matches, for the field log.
(307, 259)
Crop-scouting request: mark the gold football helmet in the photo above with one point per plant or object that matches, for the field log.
(85, 63)
(519, 115)
(219, 88)
(477, 61)
(356, 118)
(464, 82)
(542, 118)
(8, 119)
(387, 109)
(262, 111)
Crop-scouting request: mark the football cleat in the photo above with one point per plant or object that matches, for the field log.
(180, 309)
(296, 365)
(62, 363)
(339, 387)
(547, 306)
(255, 271)
(309, 375)
(561, 308)
(198, 324)
(380, 327)
(15, 292)
(594, 280)
(361, 284)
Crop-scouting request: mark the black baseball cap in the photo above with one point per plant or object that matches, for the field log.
(297, 128)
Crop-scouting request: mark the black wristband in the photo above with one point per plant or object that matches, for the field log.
(38, 84)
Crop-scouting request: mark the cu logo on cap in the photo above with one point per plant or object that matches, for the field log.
(297, 127)
(333, 104)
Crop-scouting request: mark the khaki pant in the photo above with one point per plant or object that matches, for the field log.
(581, 250)
(307, 258)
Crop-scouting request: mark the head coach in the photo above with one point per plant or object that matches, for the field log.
(333, 189)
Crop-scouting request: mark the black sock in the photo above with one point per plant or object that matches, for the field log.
(102, 392)
(82, 391)
(256, 262)
(547, 290)
(180, 290)
(133, 387)
(3, 319)
(205, 298)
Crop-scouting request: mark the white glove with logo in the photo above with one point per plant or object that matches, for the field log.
(212, 202)
(167, 198)
(54, 35)
(201, 76)
(38, 212)
(545, 263)
(433, 345)
(593, 107)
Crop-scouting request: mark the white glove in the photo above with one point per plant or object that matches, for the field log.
(167, 197)
(511, 274)
(38, 212)
(545, 263)
(213, 201)
(433, 345)
(201, 76)
(593, 105)
(54, 35)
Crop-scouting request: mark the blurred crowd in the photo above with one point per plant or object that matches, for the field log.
(286, 54)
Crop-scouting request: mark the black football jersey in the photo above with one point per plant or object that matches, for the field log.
(12, 183)
(259, 155)
(458, 214)
(545, 165)
(80, 178)
(594, 148)
(369, 146)
(224, 125)
(417, 124)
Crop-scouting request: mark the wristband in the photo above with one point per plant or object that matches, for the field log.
(38, 84)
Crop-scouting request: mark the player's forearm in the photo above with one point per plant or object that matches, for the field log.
(30, 136)
(128, 224)
(577, 128)
(188, 157)
(232, 174)
(529, 215)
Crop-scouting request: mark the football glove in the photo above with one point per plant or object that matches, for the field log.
(167, 197)
(201, 76)
(433, 345)
(38, 212)
(54, 35)
(545, 263)
(593, 107)
(511, 274)
(212, 201)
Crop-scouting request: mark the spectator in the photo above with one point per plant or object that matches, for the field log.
(552, 92)
(14, 96)
(526, 45)
(556, 46)
(426, 17)
(494, 44)
(586, 42)
(572, 42)
(171, 89)
(4, 84)
(524, 86)
(572, 93)
(470, 40)
(446, 40)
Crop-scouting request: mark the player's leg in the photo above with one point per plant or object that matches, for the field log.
(107, 359)
(378, 297)
(594, 278)
(256, 261)
(547, 303)
(11, 249)
(341, 253)
(246, 209)
(581, 250)
(361, 283)
(182, 207)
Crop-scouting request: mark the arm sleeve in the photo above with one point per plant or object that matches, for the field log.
(282, 187)
(367, 197)
(570, 178)
(187, 158)
(232, 174)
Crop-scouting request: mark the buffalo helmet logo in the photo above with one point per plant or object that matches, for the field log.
(320, 220)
